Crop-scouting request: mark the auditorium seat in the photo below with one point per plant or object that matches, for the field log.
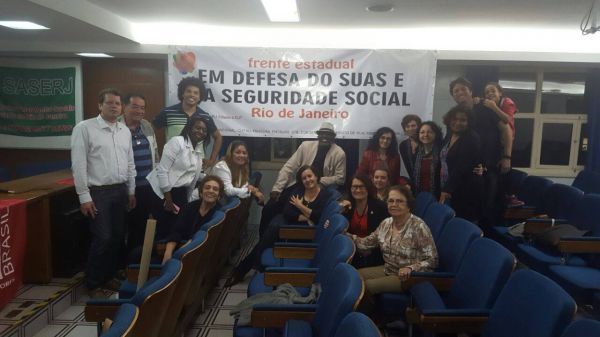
(569, 251)
(356, 324)
(452, 245)
(338, 298)
(588, 181)
(304, 254)
(152, 300)
(230, 233)
(436, 216)
(481, 276)
(123, 322)
(302, 231)
(423, 200)
(189, 255)
(208, 267)
(340, 249)
(530, 192)
(582, 328)
(530, 305)
(583, 283)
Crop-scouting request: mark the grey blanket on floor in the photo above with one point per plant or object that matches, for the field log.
(284, 294)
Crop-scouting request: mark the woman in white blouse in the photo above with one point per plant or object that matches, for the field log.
(180, 168)
(234, 171)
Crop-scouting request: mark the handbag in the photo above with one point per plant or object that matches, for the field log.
(551, 237)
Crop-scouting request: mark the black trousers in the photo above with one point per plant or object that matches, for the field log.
(147, 203)
(267, 240)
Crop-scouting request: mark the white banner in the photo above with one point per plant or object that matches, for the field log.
(260, 92)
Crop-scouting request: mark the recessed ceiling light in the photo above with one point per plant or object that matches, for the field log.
(94, 55)
(21, 25)
(281, 10)
(379, 8)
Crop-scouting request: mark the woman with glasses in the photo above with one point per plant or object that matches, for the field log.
(364, 213)
(406, 244)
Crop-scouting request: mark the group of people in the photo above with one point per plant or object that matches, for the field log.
(121, 179)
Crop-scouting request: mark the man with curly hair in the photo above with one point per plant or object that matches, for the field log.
(190, 92)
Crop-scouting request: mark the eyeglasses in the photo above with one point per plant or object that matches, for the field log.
(357, 187)
(396, 201)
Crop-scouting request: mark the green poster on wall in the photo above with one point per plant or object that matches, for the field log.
(37, 102)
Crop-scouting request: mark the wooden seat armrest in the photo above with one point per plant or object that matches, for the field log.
(452, 324)
(297, 233)
(277, 319)
(537, 225)
(442, 284)
(520, 213)
(97, 313)
(294, 252)
(590, 245)
(295, 279)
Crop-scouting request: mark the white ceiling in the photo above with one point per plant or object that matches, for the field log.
(146, 26)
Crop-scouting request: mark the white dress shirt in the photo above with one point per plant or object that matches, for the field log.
(180, 165)
(222, 171)
(101, 154)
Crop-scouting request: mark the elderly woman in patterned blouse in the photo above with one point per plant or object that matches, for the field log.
(406, 244)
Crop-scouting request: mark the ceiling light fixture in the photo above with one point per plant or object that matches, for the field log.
(380, 8)
(94, 55)
(281, 10)
(22, 25)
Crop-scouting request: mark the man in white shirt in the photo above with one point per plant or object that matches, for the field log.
(104, 174)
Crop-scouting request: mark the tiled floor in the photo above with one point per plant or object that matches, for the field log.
(46, 310)
(63, 317)
(56, 309)
(215, 320)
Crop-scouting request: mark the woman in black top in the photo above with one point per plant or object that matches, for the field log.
(408, 147)
(364, 212)
(305, 205)
(460, 153)
(195, 214)
(307, 200)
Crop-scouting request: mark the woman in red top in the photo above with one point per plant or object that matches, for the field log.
(426, 174)
(364, 213)
(381, 151)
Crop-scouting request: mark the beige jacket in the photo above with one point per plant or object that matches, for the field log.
(334, 169)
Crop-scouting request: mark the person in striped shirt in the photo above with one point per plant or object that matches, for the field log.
(145, 156)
